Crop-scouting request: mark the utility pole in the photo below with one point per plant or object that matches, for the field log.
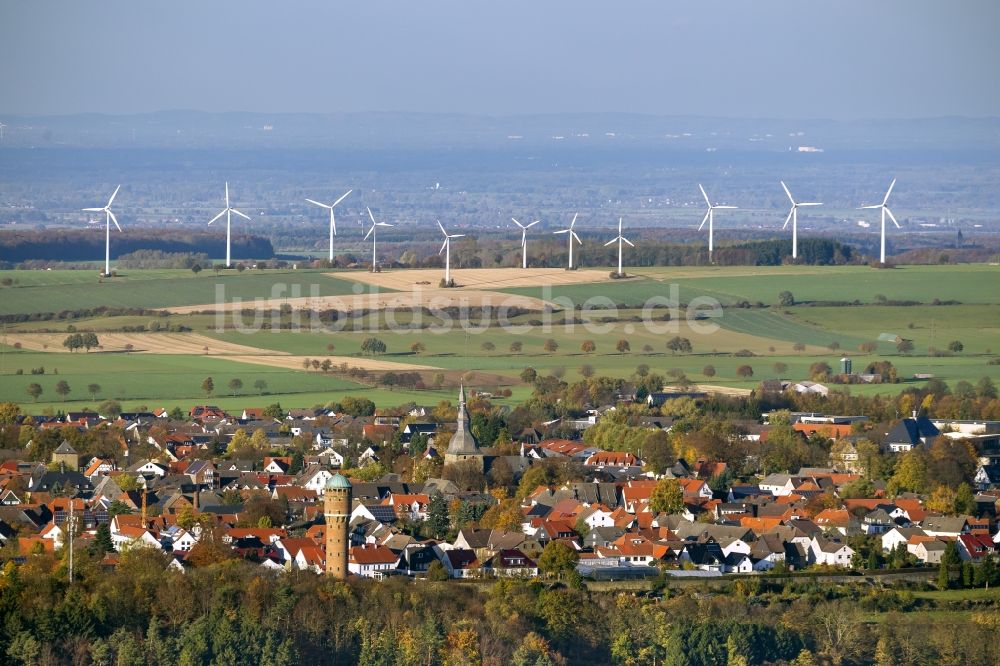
(71, 540)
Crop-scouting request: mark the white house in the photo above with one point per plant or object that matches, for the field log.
(899, 535)
(833, 553)
(315, 480)
(372, 561)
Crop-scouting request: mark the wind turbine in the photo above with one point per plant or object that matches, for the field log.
(524, 240)
(885, 211)
(619, 239)
(710, 218)
(109, 217)
(228, 213)
(793, 217)
(371, 232)
(2, 128)
(333, 222)
(571, 236)
(446, 248)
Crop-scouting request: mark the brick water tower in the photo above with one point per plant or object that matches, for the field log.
(337, 514)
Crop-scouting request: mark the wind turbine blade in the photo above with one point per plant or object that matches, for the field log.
(444, 245)
(370, 231)
(227, 194)
(727, 207)
(517, 223)
(341, 198)
(372, 217)
(441, 227)
(561, 231)
(217, 216)
(92, 210)
(245, 217)
(872, 206)
(316, 203)
(532, 224)
(613, 240)
(384, 224)
(457, 236)
(113, 196)
(577, 238)
(788, 219)
(628, 241)
(892, 217)
(888, 192)
(115, 220)
(575, 215)
(812, 203)
(704, 194)
(787, 192)
(704, 220)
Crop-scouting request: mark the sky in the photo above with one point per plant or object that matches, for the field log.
(838, 59)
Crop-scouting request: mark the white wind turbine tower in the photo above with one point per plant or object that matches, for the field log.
(793, 217)
(571, 236)
(333, 222)
(619, 239)
(446, 248)
(524, 240)
(710, 218)
(228, 213)
(109, 217)
(885, 211)
(371, 232)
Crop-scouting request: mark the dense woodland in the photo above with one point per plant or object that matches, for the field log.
(88, 245)
(233, 613)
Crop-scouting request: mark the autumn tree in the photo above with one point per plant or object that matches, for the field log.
(588, 346)
(488, 346)
(208, 386)
(679, 344)
(235, 384)
(550, 346)
(260, 385)
(744, 372)
(708, 371)
(623, 346)
(418, 347)
(516, 347)
(557, 558)
(34, 390)
(667, 497)
(62, 388)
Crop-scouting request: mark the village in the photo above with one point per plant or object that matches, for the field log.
(427, 501)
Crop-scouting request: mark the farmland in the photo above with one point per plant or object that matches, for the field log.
(754, 330)
(55, 291)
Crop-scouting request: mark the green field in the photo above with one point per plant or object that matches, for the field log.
(55, 291)
(967, 283)
(764, 335)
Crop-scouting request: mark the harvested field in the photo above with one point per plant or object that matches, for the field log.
(475, 278)
(273, 359)
(430, 298)
(141, 343)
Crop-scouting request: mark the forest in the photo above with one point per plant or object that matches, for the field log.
(86, 245)
(233, 612)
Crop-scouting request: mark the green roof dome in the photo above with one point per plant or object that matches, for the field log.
(338, 481)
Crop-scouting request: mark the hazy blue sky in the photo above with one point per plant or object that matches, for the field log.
(821, 59)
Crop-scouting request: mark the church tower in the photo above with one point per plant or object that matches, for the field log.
(337, 513)
(463, 445)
